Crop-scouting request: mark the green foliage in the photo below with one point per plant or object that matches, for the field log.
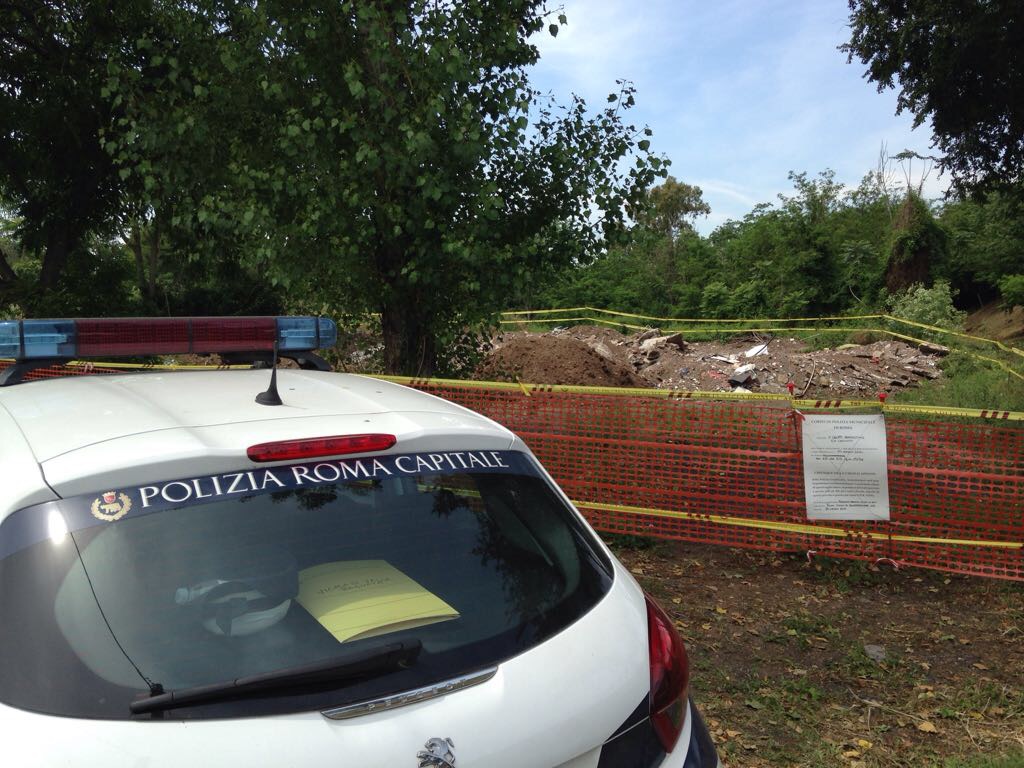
(986, 243)
(820, 250)
(11, 312)
(652, 274)
(671, 207)
(379, 156)
(915, 230)
(931, 306)
(54, 172)
(385, 158)
(955, 65)
(1012, 289)
(715, 300)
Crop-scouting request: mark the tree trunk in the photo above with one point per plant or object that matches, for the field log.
(140, 264)
(56, 256)
(7, 274)
(900, 275)
(154, 258)
(409, 347)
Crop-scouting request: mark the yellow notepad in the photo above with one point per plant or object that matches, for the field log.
(356, 599)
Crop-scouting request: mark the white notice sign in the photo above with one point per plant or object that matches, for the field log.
(845, 460)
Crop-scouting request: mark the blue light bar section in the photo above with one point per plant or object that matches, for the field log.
(41, 339)
(328, 333)
(305, 333)
(35, 339)
(10, 338)
(49, 338)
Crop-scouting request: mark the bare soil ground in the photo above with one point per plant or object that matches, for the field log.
(993, 322)
(593, 355)
(828, 663)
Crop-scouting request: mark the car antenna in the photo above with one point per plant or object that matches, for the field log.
(271, 396)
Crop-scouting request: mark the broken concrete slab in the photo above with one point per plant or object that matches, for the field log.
(742, 375)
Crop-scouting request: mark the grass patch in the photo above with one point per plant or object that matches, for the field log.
(805, 627)
(1015, 760)
(967, 383)
(988, 699)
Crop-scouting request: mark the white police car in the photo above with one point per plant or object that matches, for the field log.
(362, 575)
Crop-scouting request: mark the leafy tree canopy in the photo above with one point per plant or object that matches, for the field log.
(387, 157)
(54, 173)
(672, 206)
(956, 64)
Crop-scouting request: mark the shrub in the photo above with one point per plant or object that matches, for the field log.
(931, 306)
(1012, 289)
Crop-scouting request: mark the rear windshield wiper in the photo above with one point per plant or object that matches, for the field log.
(353, 665)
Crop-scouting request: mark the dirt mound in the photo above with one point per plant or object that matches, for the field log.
(554, 359)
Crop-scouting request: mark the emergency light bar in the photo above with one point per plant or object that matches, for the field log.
(121, 337)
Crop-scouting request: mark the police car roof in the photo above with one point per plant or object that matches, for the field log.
(85, 430)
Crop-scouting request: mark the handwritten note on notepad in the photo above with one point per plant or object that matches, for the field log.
(356, 599)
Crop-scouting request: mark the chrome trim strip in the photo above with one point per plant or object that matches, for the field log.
(410, 697)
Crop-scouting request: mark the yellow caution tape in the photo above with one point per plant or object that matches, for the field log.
(803, 404)
(745, 522)
(728, 321)
(529, 389)
(694, 320)
(732, 321)
(811, 530)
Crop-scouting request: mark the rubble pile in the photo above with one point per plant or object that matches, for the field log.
(593, 355)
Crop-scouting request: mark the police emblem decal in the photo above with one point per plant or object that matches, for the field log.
(111, 506)
(437, 753)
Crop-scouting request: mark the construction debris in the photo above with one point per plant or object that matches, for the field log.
(594, 355)
(742, 375)
(757, 349)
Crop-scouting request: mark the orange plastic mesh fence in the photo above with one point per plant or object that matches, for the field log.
(59, 371)
(731, 473)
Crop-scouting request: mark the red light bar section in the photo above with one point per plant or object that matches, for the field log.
(118, 338)
(315, 447)
(174, 335)
(233, 334)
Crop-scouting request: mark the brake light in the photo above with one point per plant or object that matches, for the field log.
(121, 337)
(670, 676)
(290, 450)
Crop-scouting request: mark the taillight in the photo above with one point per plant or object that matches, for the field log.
(290, 450)
(670, 676)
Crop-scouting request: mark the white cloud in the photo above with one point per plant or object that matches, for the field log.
(719, 188)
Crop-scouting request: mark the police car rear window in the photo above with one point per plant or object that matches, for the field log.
(189, 582)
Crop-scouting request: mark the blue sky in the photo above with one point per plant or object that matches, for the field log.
(737, 92)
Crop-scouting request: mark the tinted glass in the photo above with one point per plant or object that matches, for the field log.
(202, 580)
